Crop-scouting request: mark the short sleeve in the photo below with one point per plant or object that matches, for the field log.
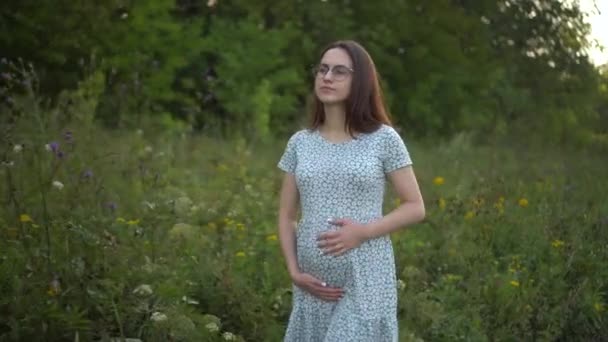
(289, 159)
(395, 154)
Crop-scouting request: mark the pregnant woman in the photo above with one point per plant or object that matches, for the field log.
(339, 254)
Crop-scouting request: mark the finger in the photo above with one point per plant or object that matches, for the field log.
(328, 290)
(328, 296)
(334, 248)
(328, 242)
(328, 235)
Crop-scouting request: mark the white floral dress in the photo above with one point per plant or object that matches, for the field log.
(344, 180)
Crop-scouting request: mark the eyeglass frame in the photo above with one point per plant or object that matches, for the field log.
(316, 71)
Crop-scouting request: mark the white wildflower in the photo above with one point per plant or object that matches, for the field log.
(48, 147)
(228, 336)
(148, 149)
(17, 148)
(143, 290)
(212, 327)
(158, 317)
(401, 285)
(189, 300)
(9, 163)
(57, 185)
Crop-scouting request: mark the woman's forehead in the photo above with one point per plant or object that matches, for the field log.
(336, 56)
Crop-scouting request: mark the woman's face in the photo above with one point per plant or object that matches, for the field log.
(333, 76)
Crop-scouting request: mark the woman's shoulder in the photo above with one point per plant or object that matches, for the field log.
(385, 131)
(299, 135)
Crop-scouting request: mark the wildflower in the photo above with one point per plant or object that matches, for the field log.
(240, 226)
(599, 307)
(557, 243)
(469, 215)
(8, 163)
(442, 203)
(87, 174)
(400, 285)
(25, 218)
(17, 148)
(158, 317)
(228, 336)
(438, 180)
(57, 185)
(52, 147)
(189, 300)
(143, 290)
(240, 254)
(212, 327)
(523, 202)
(148, 149)
(514, 283)
(272, 237)
(396, 202)
(133, 222)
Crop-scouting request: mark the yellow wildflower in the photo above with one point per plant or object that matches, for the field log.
(523, 202)
(396, 202)
(441, 203)
(121, 220)
(240, 226)
(25, 218)
(514, 283)
(557, 243)
(438, 180)
(469, 215)
(272, 237)
(599, 307)
(240, 254)
(132, 222)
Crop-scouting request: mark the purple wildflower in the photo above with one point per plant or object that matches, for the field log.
(88, 174)
(60, 154)
(54, 146)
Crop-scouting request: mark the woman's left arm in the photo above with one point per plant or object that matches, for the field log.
(409, 212)
(352, 234)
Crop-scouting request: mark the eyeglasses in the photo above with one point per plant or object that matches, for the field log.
(338, 72)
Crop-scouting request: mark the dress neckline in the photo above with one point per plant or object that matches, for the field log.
(338, 143)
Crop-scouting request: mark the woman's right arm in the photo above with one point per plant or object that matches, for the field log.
(288, 210)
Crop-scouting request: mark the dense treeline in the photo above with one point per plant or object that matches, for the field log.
(447, 66)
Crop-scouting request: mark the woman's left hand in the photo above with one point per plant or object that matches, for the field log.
(350, 235)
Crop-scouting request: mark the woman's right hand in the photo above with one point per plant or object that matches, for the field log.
(316, 287)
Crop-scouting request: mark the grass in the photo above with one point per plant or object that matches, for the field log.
(169, 235)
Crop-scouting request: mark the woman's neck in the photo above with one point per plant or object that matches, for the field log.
(335, 116)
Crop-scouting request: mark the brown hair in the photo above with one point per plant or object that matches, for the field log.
(365, 110)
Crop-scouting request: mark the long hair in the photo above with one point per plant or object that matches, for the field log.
(365, 108)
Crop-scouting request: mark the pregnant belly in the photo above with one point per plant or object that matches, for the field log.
(336, 271)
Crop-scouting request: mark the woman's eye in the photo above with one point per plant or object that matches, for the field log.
(340, 71)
